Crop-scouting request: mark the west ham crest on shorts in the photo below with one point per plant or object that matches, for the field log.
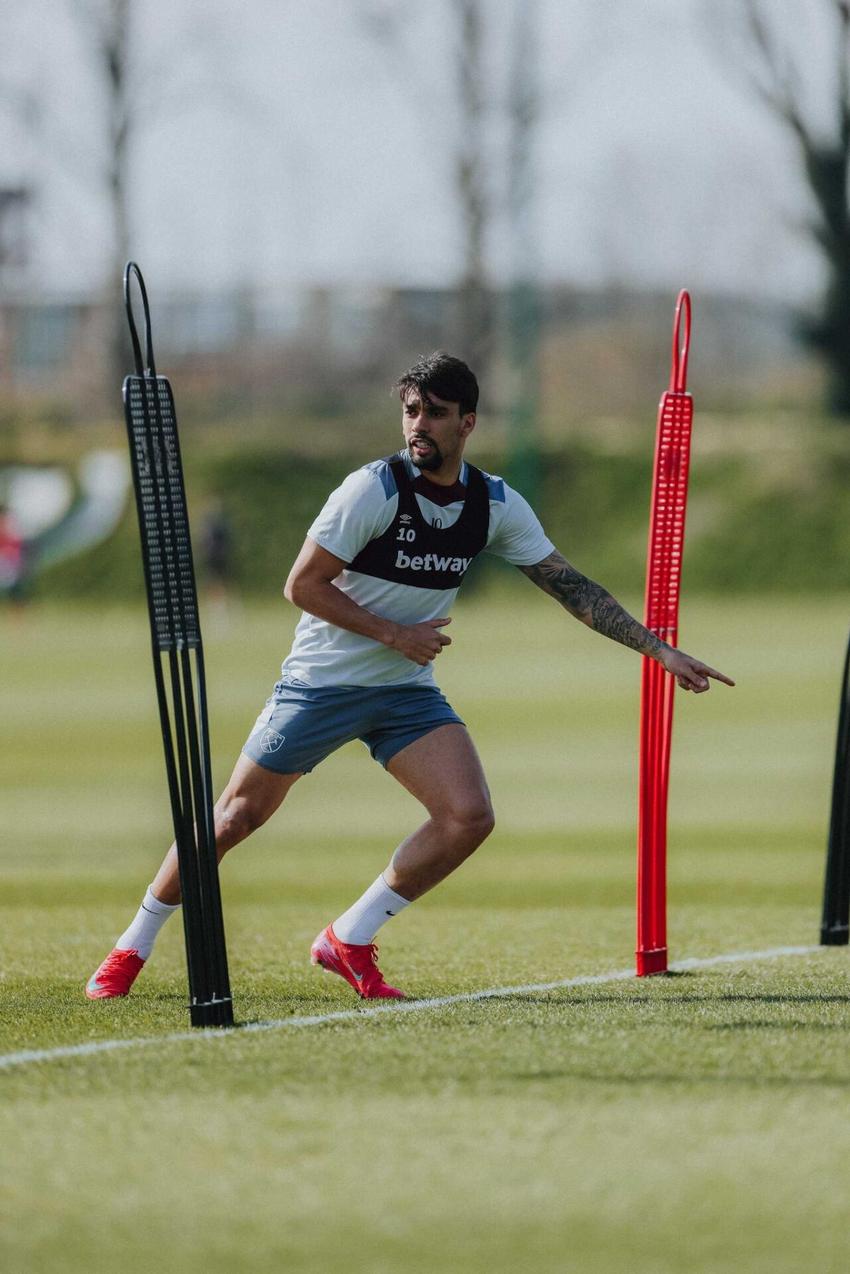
(271, 740)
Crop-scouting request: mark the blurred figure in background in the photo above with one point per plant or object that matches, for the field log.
(13, 559)
(217, 559)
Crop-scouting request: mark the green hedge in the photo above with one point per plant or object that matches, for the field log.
(751, 526)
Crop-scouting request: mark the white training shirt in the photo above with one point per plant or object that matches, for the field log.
(361, 510)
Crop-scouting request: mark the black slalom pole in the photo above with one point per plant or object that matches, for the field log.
(178, 665)
(835, 923)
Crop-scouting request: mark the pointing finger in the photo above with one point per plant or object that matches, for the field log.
(718, 676)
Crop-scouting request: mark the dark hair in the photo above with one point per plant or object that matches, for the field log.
(440, 374)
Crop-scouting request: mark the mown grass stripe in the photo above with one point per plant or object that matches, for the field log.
(10, 1060)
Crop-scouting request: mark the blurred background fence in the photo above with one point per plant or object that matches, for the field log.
(324, 350)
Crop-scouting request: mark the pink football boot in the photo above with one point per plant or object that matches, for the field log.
(115, 976)
(357, 964)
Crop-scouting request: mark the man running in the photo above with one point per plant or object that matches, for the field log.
(376, 580)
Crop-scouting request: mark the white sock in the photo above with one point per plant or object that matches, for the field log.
(362, 921)
(146, 924)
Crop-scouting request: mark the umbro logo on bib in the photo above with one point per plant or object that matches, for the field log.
(415, 554)
(431, 562)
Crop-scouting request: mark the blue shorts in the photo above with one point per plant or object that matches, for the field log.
(300, 726)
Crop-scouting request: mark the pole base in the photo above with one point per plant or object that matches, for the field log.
(649, 962)
(834, 935)
(212, 1013)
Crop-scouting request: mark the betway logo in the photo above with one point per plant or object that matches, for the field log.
(431, 562)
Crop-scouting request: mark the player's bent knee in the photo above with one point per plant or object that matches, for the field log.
(473, 822)
(485, 822)
(236, 819)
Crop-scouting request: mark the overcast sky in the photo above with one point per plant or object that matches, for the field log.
(280, 143)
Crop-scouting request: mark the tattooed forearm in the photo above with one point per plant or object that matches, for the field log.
(592, 604)
(609, 618)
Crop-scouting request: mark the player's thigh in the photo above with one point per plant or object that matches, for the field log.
(443, 770)
(256, 788)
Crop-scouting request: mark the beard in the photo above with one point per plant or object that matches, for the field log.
(433, 459)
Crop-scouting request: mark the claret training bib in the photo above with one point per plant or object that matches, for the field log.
(414, 553)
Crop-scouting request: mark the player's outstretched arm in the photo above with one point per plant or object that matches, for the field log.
(594, 606)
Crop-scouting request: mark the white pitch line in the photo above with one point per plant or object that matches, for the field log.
(9, 1060)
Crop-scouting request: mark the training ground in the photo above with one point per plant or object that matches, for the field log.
(579, 1121)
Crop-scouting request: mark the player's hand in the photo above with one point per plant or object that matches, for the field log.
(690, 673)
(421, 642)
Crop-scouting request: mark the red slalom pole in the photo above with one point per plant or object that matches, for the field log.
(661, 616)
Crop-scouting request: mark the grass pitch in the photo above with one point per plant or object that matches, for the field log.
(689, 1123)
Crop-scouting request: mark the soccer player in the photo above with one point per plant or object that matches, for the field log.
(376, 580)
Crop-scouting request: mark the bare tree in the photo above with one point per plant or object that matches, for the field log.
(385, 21)
(777, 73)
(475, 327)
(110, 26)
(492, 195)
(107, 37)
(523, 313)
(135, 88)
(14, 203)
